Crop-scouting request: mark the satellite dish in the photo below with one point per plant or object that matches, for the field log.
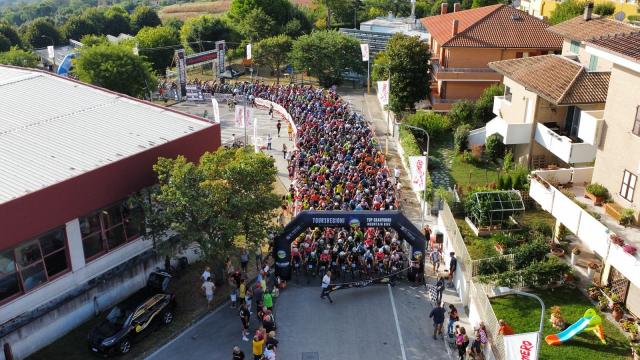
(619, 16)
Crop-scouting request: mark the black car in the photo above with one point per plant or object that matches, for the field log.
(134, 317)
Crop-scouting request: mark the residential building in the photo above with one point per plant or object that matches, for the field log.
(544, 8)
(463, 43)
(71, 154)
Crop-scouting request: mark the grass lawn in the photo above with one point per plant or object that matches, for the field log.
(523, 314)
(532, 216)
(476, 174)
(478, 247)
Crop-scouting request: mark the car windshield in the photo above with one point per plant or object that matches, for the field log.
(117, 316)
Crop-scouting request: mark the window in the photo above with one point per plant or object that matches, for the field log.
(507, 93)
(106, 229)
(593, 63)
(32, 263)
(636, 124)
(575, 47)
(628, 185)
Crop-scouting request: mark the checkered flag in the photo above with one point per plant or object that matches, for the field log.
(433, 293)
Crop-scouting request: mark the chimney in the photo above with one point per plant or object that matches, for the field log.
(443, 8)
(588, 9)
(454, 28)
(456, 7)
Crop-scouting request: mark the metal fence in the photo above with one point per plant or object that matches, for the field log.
(478, 295)
(451, 228)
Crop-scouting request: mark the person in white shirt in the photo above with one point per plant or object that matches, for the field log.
(205, 274)
(326, 280)
(208, 288)
(269, 353)
(396, 173)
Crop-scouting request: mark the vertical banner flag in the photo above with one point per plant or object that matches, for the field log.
(243, 115)
(521, 346)
(418, 172)
(216, 110)
(182, 71)
(51, 51)
(365, 51)
(383, 92)
(220, 47)
(255, 136)
(248, 51)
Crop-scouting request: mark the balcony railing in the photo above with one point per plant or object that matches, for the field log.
(564, 148)
(511, 133)
(590, 126)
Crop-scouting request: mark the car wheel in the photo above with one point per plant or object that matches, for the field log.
(125, 346)
(167, 317)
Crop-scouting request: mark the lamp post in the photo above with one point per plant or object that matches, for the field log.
(504, 291)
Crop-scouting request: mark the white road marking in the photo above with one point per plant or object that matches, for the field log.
(395, 317)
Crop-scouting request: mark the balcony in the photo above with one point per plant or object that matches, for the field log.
(571, 151)
(441, 73)
(591, 126)
(511, 133)
(590, 223)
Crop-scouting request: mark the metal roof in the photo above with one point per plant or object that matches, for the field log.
(53, 129)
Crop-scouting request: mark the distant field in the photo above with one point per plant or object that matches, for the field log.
(191, 10)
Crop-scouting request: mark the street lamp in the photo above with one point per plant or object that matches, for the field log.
(504, 291)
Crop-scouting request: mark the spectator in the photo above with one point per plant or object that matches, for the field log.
(290, 131)
(237, 353)
(208, 287)
(453, 317)
(244, 318)
(271, 340)
(437, 313)
(439, 289)
(462, 341)
(278, 126)
(505, 329)
(206, 274)
(326, 280)
(269, 353)
(435, 260)
(453, 266)
(244, 259)
(257, 347)
(476, 349)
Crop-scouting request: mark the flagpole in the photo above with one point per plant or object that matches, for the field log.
(368, 78)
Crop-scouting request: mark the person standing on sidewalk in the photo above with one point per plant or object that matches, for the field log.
(257, 347)
(244, 318)
(244, 259)
(284, 151)
(439, 289)
(278, 126)
(237, 354)
(435, 260)
(269, 139)
(462, 342)
(437, 314)
(453, 317)
(326, 280)
(453, 266)
(290, 131)
(208, 288)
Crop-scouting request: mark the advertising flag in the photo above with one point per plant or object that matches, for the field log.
(521, 346)
(51, 51)
(248, 51)
(383, 92)
(365, 51)
(216, 110)
(417, 164)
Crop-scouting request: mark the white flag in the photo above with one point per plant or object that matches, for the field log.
(365, 51)
(51, 51)
(383, 92)
(243, 116)
(216, 110)
(255, 136)
(248, 51)
(521, 346)
(418, 167)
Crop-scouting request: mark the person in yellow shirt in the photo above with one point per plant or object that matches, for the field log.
(243, 290)
(258, 347)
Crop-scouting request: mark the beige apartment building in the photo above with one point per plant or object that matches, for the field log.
(463, 43)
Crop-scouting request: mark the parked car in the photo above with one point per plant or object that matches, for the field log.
(135, 317)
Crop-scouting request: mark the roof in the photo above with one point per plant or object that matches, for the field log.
(624, 45)
(54, 128)
(495, 26)
(556, 79)
(580, 29)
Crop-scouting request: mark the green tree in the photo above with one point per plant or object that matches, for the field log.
(292, 28)
(160, 43)
(484, 105)
(273, 52)
(566, 10)
(114, 67)
(174, 23)
(19, 57)
(93, 40)
(5, 44)
(40, 32)
(228, 192)
(117, 21)
(281, 11)
(206, 28)
(462, 112)
(10, 33)
(144, 16)
(480, 3)
(408, 64)
(326, 55)
(256, 25)
(605, 8)
(78, 26)
(380, 67)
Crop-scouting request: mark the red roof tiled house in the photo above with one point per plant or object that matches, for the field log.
(463, 43)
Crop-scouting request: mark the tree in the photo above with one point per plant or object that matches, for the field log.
(605, 8)
(484, 105)
(144, 16)
(117, 22)
(256, 25)
(566, 10)
(462, 112)
(160, 43)
(206, 28)
(98, 17)
(326, 55)
(5, 44)
(174, 23)
(228, 192)
(292, 28)
(40, 32)
(10, 33)
(19, 57)
(408, 64)
(273, 52)
(78, 26)
(380, 68)
(480, 3)
(93, 40)
(114, 67)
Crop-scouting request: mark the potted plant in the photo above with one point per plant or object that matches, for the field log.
(594, 292)
(557, 251)
(574, 255)
(633, 331)
(557, 320)
(618, 312)
(603, 303)
(616, 239)
(597, 193)
(627, 217)
(630, 249)
(635, 351)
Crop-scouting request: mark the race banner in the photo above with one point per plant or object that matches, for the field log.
(248, 51)
(182, 71)
(418, 172)
(364, 48)
(383, 92)
(521, 346)
(243, 116)
(193, 93)
(216, 110)
(220, 47)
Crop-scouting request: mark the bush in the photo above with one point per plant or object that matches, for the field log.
(530, 252)
(494, 148)
(539, 274)
(484, 105)
(507, 161)
(462, 112)
(493, 265)
(504, 240)
(605, 8)
(460, 137)
(435, 124)
(633, 17)
(598, 190)
(541, 227)
(627, 217)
